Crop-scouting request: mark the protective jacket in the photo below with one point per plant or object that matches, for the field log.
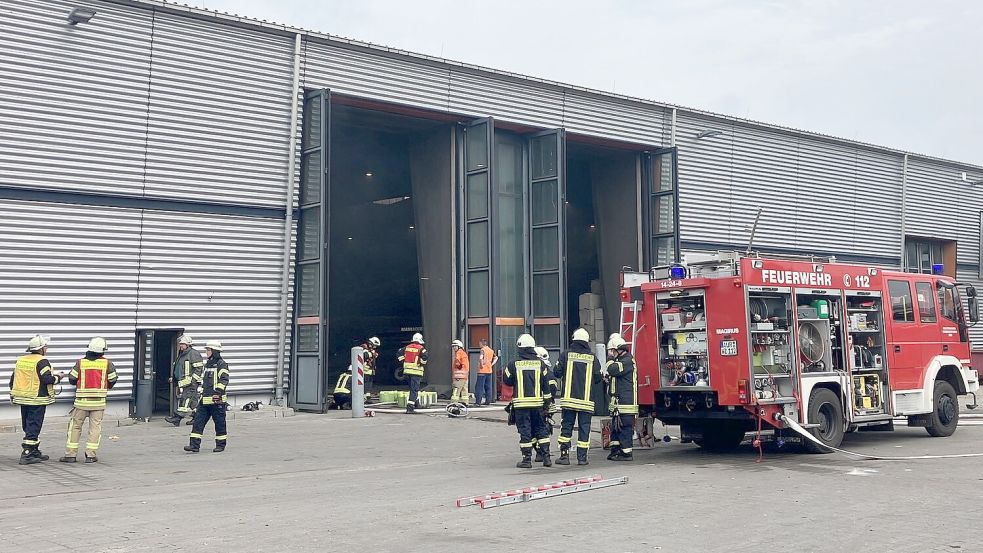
(342, 386)
(414, 357)
(462, 366)
(371, 354)
(186, 366)
(529, 377)
(93, 376)
(32, 382)
(624, 384)
(580, 370)
(214, 379)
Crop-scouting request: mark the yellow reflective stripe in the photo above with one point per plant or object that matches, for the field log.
(585, 445)
(72, 445)
(31, 442)
(627, 450)
(33, 400)
(222, 437)
(92, 446)
(628, 409)
(195, 435)
(46, 370)
(525, 444)
(527, 402)
(576, 404)
(614, 442)
(563, 439)
(223, 371)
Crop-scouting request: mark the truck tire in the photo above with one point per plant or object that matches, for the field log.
(721, 437)
(944, 418)
(826, 411)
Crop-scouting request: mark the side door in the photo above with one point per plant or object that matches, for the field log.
(476, 250)
(309, 371)
(547, 248)
(660, 208)
(905, 335)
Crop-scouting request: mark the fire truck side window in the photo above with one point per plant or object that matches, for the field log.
(947, 302)
(926, 302)
(901, 306)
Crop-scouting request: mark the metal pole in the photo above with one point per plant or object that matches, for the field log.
(288, 225)
(358, 382)
(904, 200)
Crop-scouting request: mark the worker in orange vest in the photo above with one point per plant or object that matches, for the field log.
(460, 372)
(483, 390)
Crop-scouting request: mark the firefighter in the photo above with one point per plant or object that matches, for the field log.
(93, 376)
(32, 387)
(529, 377)
(549, 403)
(343, 390)
(414, 358)
(460, 372)
(623, 388)
(580, 370)
(187, 366)
(371, 347)
(213, 383)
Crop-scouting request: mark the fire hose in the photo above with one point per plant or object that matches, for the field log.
(805, 434)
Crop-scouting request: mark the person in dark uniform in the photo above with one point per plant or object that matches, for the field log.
(343, 390)
(32, 387)
(623, 388)
(214, 380)
(529, 376)
(187, 367)
(579, 370)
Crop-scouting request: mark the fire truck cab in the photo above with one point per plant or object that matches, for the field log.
(737, 343)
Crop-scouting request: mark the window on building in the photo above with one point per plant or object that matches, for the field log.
(926, 302)
(947, 302)
(662, 209)
(922, 253)
(901, 306)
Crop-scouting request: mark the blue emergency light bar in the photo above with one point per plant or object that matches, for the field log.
(677, 272)
(937, 268)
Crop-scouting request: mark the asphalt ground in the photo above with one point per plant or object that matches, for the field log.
(389, 483)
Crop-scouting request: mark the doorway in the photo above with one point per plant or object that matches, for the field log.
(153, 363)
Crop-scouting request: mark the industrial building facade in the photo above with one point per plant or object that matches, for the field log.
(166, 169)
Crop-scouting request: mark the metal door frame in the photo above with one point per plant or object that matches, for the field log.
(648, 187)
(139, 365)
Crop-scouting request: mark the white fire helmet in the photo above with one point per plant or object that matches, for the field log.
(458, 343)
(542, 353)
(418, 338)
(616, 341)
(581, 335)
(186, 340)
(213, 345)
(38, 343)
(375, 341)
(98, 345)
(525, 341)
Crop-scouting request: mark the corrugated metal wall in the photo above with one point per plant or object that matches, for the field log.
(941, 205)
(816, 195)
(219, 118)
(73, 100)
(70, 272)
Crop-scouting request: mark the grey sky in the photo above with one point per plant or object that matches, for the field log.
(905, 74)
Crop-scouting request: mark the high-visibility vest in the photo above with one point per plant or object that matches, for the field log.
(577, 379)
(342, 386)
(93, 383)
(528, 384)
(412, 364)
(27, 383)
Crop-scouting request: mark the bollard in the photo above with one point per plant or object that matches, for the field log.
(358, 383)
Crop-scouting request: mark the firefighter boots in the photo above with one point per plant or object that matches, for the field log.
(28, 457)
(191, 449)
(68, 459)
(539, 456)
(410, 408)
(543, 455)
(176, 421)
(526, 462)
(582, 456)
(219, 447)
(564, 457)
(92, 459)
(622, 456)
(615, 451)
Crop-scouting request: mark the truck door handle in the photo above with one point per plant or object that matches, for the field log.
(945, 347)
(897, 349)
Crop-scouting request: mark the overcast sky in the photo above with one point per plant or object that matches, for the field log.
(905, 74)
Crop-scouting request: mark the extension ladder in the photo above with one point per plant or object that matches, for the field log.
(629, 322)
(540, 492)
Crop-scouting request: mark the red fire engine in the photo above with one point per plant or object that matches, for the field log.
(735, 343)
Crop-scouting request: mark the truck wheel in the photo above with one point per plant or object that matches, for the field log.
(826, 411)
(721, 437)
(944, 419)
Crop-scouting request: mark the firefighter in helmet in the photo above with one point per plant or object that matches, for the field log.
(343, 390)
(529, 378)
(549, 403)
(93, 376)
(623, 388)
(371, 347)
(580, 371)
(187, 367)
(32, 388)
(213, 382)
(414, 358)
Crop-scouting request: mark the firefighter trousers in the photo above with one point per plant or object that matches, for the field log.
(31, 421)
(414, 388)
(216, 412)
(532, 429)
(622, 432)
(187, 401)
(75, 431)
(583, 419)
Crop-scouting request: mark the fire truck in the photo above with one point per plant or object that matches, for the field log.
(736, 343)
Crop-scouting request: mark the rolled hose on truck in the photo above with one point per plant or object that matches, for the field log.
(805, 434)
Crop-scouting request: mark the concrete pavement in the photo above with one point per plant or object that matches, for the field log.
(388, 483)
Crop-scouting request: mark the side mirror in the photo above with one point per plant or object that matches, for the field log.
(974, 305)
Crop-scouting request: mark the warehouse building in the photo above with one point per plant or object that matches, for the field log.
(167, 169)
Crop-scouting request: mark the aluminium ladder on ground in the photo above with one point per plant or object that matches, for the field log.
(523, 495)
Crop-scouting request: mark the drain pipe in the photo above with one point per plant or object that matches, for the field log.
(288, 225)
